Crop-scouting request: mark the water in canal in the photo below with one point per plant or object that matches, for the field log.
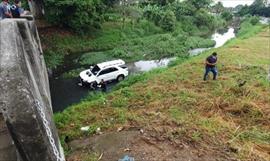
(65, 92)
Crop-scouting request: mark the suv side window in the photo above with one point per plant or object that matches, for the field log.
(109, 70)
(113, 69)
(105, 71)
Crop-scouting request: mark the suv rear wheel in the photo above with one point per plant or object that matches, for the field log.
(120, 78)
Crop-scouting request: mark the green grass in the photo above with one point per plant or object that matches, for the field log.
(247, 29)
(212, 113)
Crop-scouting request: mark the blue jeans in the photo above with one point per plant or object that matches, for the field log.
(210, 69)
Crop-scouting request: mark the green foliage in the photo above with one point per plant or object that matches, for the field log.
(204, 19)
(168, 21)
(72, 74)
(254, 20)
(218, 8)
(247, 28)
(53, 59)
(78, 15)
(126, 34)
(198, 42)
(227, 15)
(257, 8)
(177, 61)
(161, 2)
(184, 9)
(153, 13)
(256, 135)
(200, 3)
(109, 37)
(95, 57)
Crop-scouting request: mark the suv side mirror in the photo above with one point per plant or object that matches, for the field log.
(91, 67)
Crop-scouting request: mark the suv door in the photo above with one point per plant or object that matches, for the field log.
(108, 74)
(104, 74)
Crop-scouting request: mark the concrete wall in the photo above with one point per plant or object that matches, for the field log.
(7, 148)
(25, 94)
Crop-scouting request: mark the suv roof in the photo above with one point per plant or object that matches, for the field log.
(111, 63)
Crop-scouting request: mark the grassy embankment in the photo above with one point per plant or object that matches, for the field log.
(212, 114)
(131, 42)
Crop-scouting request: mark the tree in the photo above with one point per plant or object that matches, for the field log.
(244, 10)
(184, 9)
(200, 3)
(227, 15)
(110, 3)
(218, 8)
(161, 2)
(79, 15)
(256, 7)
(259, 7)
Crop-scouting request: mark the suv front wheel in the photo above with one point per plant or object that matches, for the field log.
(120, 78)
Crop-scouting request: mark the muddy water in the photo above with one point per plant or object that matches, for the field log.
(265, 20)
(65, 92)
(147, 65)
(220, 38)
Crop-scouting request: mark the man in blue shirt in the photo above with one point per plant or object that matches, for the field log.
(4, 10)
(210, 66)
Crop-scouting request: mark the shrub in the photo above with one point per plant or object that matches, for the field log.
(120, 53)
(204, 19)
(254, 20)
(184, 9)
(227, 15)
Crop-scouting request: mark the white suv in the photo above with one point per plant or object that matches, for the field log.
(108, 71)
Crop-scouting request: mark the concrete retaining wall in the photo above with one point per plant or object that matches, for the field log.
(25, 94)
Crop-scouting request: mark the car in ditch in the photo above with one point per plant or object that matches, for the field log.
(108, 71)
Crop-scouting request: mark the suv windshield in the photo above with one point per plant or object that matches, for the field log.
(95, 70)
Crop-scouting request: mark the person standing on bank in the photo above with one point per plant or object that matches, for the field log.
(4, 10)
(210, 66)
(103, 85)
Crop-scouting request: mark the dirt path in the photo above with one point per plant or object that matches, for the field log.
(143, 147)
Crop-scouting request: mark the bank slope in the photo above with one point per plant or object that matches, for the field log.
(183, 117)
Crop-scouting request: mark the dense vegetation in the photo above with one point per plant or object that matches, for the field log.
(176, 106)
(129, 31)
(258, 8)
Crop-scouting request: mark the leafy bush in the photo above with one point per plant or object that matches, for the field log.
(204, 19)
(227, 15)
(120, 53)
(153, 13)
(254, 20)
(184, 9)
(168, 21)
(79, 15)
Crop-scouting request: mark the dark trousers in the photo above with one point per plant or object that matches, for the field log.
(210, 69)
